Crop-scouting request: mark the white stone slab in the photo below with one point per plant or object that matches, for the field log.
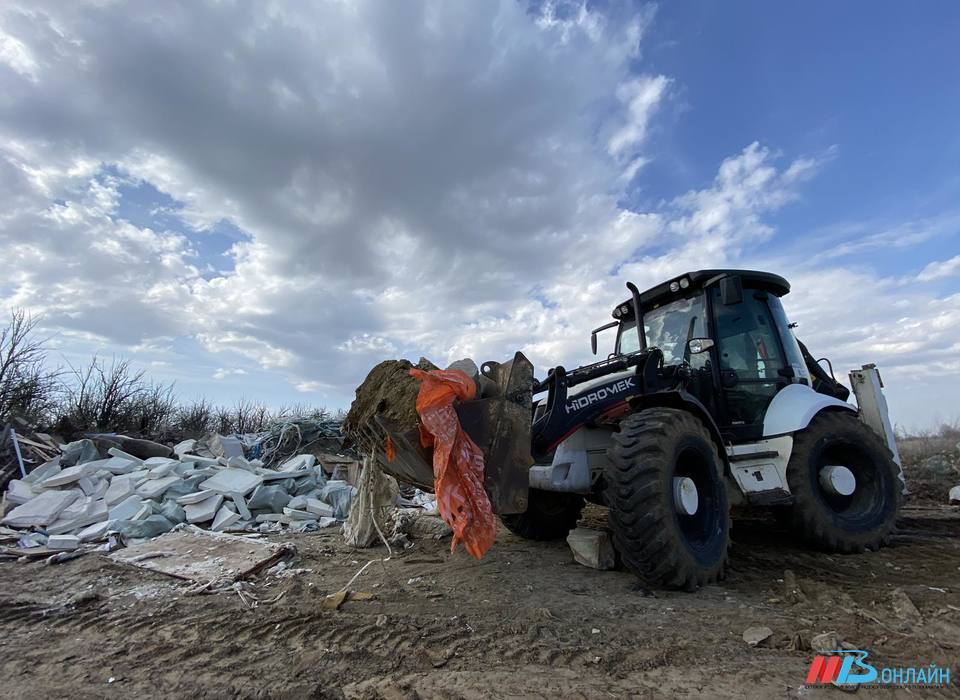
(270, 475)
(230, 481)
(195, 497)
(95, 512)
(241, 503)
(204, 510)
(95, 531)
(126, 509)
(298, 463)
(185, 447)
(154, 488)
(66, 476)
(120, 465)
(121, 487)
(145, 512)
(270, 517)
(318, 507)
(202, 461)
(139, 476)
(117, 452)
(43, 471)
(298, 503)
(41, 510)
(225, 518)
(63, 542)
(19, 492)
(295, 514)
(163, 469)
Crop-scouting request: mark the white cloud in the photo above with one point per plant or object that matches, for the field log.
(224, 372)
(940, 269)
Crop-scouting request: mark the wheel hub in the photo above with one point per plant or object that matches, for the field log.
(685, 496)
(838, 480)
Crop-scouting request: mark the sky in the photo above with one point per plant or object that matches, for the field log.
(265, 199)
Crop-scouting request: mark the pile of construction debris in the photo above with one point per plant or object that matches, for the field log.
(86, 493)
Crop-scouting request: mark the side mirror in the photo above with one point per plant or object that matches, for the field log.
(731, 290)
(698, 345)
(593, 342)
(593, 334)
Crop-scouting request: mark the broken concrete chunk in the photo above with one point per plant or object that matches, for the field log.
(591, 548)
(298, 503)
(204, 510)
(240, 463)
(270, 517)
(298, 463)
(161, 470)
(19, 492)
(121, 487)
(141, 529)
(197, 459)
(63, 542)
(320, 508)
(85, 484)
(230, 480)
(224, 519)
(145, 511)
(154, 488)
(139, 476)
(173, 512)
(195, 497)
(41, 510)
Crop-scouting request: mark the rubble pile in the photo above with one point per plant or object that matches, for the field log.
(83, 494)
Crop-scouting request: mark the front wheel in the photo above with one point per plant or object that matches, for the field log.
(668, 504)
(845, 484)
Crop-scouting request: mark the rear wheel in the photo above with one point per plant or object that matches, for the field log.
(668, 504)
(845, 485)
(549, 516)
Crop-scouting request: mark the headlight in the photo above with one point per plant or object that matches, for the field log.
(624, 309)
(674, 286)
(684, 283)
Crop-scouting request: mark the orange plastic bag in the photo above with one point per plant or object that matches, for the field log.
(457, 461)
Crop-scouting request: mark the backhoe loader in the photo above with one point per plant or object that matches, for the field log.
(706, 400)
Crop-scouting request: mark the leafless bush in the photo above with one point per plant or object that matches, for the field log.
(115, 398)
(195, 419)
(27, 387)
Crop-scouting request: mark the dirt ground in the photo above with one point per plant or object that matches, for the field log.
(525, 622)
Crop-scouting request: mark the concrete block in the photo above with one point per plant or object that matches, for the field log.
(229, 481)
(139, 476)
(120, 487)
(298, 463)
(41, 510)
(592, 548)
(204, 510)
(241, 506)
(240, 463)
(100, 487)
(270, 475)
(195, 497)
(85, 484)
(19, 492)
(224, 519)
(145, 511)
(318, 507)
(63, 542)
(78, 452)
(165, 469)
(197, 459)
(173, 512)
(226, 446)
(154, 488)
(43, 471)
(126, 509)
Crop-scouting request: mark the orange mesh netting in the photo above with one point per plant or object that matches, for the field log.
(457, 461)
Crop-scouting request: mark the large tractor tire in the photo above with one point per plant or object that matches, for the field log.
(664, 536)
(824, 517)
(549, 516)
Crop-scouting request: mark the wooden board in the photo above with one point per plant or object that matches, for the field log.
(198, 555)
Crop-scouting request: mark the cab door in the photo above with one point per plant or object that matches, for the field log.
(750, 357)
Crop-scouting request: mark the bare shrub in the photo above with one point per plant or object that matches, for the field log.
(27, 387)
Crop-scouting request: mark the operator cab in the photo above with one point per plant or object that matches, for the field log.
(724, 337)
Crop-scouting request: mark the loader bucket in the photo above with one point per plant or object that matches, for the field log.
(499, 422)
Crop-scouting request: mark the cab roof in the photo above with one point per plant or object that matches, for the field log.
(766, 281)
